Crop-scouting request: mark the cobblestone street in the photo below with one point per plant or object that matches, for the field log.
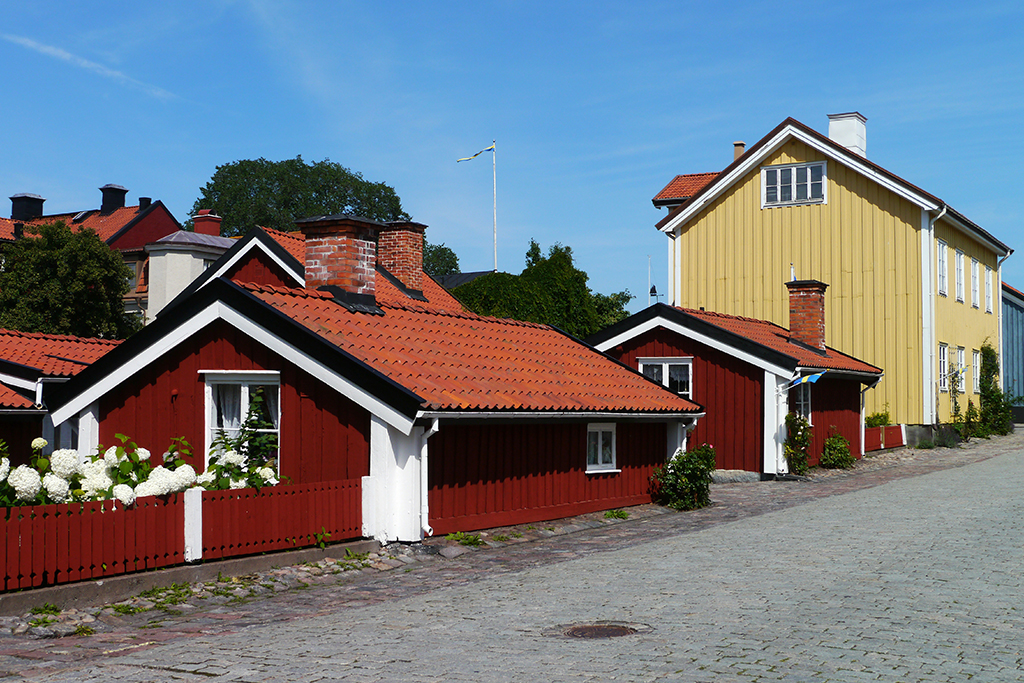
(906, 569)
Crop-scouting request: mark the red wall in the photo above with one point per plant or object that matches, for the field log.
(158, 223)
(834, 402)
(260, 268)
(728, 388)
(18, 432)
(484, 476)
(324, 436)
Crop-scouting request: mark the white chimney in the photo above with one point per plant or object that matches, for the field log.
(850, 131)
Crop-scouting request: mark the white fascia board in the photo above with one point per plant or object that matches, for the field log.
(973, 234)
(20, 382)
(850, 160)
(716, 344)
(221, 311)
(299, 278)
(1004, 293)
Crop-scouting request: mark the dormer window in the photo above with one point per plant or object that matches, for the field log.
(793, 184)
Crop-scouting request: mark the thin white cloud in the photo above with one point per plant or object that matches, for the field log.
(98, 69)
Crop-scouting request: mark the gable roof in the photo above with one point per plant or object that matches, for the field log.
(11, 399)
(682, 187)
(52, 355)
(108, 226)
(790, 129)
(759, 342)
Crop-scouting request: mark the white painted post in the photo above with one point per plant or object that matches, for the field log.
(193, 525)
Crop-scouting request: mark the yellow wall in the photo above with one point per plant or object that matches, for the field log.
(959, 323)
(864, 243)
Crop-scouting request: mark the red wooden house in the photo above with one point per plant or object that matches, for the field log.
(374, 374)
(743, 372)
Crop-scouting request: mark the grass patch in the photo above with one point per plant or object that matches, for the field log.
(83, 630)
(46, 608)
(616, 514)
(462, 538)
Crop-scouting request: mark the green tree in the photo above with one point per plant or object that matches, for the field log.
(274, 194)
(60, 282)
(551, 290)
(995, 415)
(439, 259)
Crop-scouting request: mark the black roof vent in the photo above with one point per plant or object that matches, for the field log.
(113, 198)
(144, 202)
(25, 207)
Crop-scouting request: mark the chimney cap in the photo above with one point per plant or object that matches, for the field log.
(338, 217)
(112, 186)
(26, 195)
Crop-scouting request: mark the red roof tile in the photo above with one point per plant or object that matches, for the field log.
(456, 360)
(106, 225)
(293, 242)
(9, 398)
(683, 187)
(53, 355)
(779, 339)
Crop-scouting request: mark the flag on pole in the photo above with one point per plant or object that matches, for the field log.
(485, 149)
(806, 379)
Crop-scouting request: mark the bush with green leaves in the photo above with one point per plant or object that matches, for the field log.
(248, 459)
(798, 441)
(879, 419)
(684, 482)
(995, 413)
(836, 453)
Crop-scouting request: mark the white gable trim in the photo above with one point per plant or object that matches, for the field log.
(698, 337)
(299, 277)
(218, 310)
(790, 131)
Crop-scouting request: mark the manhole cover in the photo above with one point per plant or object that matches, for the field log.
(598, 629)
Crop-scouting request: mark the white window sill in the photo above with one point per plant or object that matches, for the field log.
(603, 471)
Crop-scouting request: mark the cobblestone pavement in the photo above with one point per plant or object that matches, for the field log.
(906, 569)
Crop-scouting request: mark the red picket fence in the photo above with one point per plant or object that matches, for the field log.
(43, 545)
(877, 438)
(872, 439)
(894, 436)
(247, 521)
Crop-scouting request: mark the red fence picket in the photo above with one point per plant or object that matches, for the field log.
(894, 436)
(44, 545)
(872, 439)
(247, 521)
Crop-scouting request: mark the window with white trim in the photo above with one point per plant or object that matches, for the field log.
(942, 267)
(959, 276)
(961, 359)
(801, 397)
(674, 373)
(976, 370)
(793, 184)
(601, 447)
(988, 289)
(975, 284)
(229, 396)
(943, 367)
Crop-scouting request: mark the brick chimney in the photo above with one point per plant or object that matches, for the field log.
(400, 251)
(25, 206)
(205, 222)
(738, 148)
(807, 312)
(113, 198)
(341, 251)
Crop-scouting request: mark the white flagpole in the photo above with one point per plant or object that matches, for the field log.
(494, 172)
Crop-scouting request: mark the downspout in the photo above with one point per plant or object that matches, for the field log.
(997, 304)
(424, 484)
(932, 394)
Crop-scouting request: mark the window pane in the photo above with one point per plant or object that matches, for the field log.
(771, 194)
(679, 378)
(653, 371)
(801, 192)
(592, 447)
(786, 185)
(816, 192)
(227, 402)
(267, 404)
(816, 172)
(771, 177)
(607, 443)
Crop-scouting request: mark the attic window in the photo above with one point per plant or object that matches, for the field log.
(793, 184)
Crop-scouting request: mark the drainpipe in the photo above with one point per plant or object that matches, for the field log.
(932, 394)
(997, 304)
(424, 485)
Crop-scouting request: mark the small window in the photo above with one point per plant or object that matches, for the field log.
(942, 267)
(975, 285)
(789, 185)
(601, 447)
(229, 396)
(959, 276)
(943, 367)
(133, 274)
(961, 360)
(988, 289)
(976, 370)
(674, 373)
(801, 398)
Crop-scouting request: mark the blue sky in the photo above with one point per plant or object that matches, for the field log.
(595, 106)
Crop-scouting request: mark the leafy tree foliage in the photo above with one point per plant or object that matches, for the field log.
(551, 290)
(61, 282)
(439, 259)
(274, 194)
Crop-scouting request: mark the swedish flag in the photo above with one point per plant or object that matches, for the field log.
(485, 149)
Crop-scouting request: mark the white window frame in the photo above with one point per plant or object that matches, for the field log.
(976, 370)
(961, 360)
(988, 289)
(665, 362)
(603, 430)
(959, 276)
(245, 380)
(943, 367)
(943, 267)
(793, 170)
(975, 284)
(802, 401)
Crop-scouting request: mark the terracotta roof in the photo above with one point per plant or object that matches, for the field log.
(9, 398)
(293, 242)
(106, 225)
(779, 339)
(52, 355)
(1014, 290)
(456, 360)
(683, 187)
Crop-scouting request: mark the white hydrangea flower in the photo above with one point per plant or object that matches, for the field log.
(233, 458)
(142, 453)
(57, 488)
(267, 475)
(110, 457)
(95, 478)
(184, 477)
(5, 468)
(125, 494)
(206, 478)
(238, 483)
(65, 463)
(162, 480)
(39, 443)
(147, 488)
(26, 482)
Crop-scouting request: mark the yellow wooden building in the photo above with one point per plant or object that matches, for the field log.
(913, 284)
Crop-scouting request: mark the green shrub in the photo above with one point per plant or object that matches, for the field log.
(462, 538)
(684, 482)
(616, 514)
(995, 415)
(798, 440)
(879, 419)
(925, 445)
(836, 453)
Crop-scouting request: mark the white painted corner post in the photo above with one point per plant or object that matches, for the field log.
(193, 524)
(395, 494)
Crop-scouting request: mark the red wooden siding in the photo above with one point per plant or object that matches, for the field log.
(248, 522)
(834, 403)
(324, 436)
(44, 545)
(872, 439)
(483, 476)
(17, 432)
(158, 223)
(729, 389)
(260, 268)
(893, 436)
